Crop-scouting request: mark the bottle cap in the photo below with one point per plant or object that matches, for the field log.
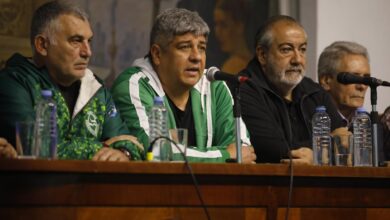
(320, 108)
(46, 93)
(158, 100)
(149, 156)
(361, 110)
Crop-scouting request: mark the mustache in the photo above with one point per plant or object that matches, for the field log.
(295, 68)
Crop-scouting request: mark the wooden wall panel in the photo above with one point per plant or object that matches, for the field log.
(112, 213)
(59, 189)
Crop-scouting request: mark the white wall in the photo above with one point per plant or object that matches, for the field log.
(364, 21)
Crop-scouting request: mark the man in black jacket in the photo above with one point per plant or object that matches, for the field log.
(279, 101)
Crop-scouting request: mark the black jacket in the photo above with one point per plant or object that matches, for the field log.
(266, 115)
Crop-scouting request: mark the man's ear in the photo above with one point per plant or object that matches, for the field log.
(261, 55)
(325, 80)
(155, 53)
(41, 43)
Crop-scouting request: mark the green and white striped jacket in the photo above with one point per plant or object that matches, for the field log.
(134, 91)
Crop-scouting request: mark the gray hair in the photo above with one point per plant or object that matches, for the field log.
(177, 21)
(45, 18)
(330, 58)
(264, 35)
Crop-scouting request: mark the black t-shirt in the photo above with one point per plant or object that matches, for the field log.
(185, 119)
(70, 94)
(300, 134)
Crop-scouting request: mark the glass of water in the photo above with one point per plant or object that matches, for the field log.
(342, 149)
(180, 137)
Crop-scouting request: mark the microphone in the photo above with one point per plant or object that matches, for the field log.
(348, 78)
(213, 73)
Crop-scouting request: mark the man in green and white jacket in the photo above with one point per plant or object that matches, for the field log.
(174, 70)
(86, 115)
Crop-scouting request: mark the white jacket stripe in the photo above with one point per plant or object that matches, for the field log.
(136, 100)
(209, 119)
(208, 154)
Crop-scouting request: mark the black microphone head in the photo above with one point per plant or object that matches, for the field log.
(341, 77)
(348, 78)
(210, 73)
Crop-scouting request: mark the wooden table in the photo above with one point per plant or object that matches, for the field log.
(42, 189)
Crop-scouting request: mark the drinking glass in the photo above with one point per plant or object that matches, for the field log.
(342, 149)
(180, 137)
(24, 131)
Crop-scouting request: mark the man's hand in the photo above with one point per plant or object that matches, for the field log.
(6, 149)
(248, 153)
(340, 131)
(110, 154)
(301, 156)
(125, 137)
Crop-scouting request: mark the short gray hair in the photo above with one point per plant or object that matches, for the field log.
(264, 35)
(45, 18)
(177, 21)
(330, 58)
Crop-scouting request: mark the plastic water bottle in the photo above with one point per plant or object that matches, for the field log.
(362, 139)
(45, 128)
(322, 149)
(158, 127)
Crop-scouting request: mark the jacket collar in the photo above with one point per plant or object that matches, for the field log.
(147, 68)
(88, 88)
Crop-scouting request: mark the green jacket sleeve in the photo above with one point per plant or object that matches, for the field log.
(16, 104)
(114, 126)
(223, 116)
(134, 107)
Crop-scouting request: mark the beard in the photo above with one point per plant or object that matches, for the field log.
(292, 76)
(285, 79)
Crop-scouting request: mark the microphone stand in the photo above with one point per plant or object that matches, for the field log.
(377, 131)
(237, 116)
